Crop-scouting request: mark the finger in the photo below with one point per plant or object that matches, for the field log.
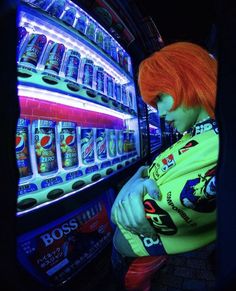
(145, 171)
(129, 208)
(122, 217)
(152, 189)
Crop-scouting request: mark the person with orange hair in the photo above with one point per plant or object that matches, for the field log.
(170, 206)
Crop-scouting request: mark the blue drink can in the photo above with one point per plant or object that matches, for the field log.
(99, 37)
(124, 94)
(130, 100)
(72, 65)
(101, 143)
(68, 144)
(69, 16)
(87, 145)
(126, 141)
(33, 50)
(54, 60)
(41, 3)
(99, 78)
(126, 61)
(90, 31)
(113, 50)
(110, 85)
(81, 23)
(22, 148)
(57, 8)
(107, 44)
(87, 78)
(120, 57)
(112, 144)
(118, 92)
(21, 36)
(132, 140)
(120, 142)
(21, 33)
(45, 146)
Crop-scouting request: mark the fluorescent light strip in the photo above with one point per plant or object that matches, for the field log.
(70, 43)
(68, 100)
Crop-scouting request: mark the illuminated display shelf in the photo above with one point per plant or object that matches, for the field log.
(34, 86)
(38, 21)
(41, 198)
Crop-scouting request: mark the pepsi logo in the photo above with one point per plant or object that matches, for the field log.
(70, 140)
(46, 142)
(20, 143)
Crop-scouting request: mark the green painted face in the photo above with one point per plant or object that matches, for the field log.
(182, 118)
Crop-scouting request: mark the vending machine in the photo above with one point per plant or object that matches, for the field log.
(78, 135)
(155, 134)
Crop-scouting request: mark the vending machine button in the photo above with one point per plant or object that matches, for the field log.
(26, 203)
(114, 103)
(104, 99)
(96, 177)
(109, 171)
(119, 166)
(73, 86)
(91, 93)
(77, 185)
(127, 163)
(55, 194)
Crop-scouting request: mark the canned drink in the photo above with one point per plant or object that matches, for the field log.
(87, 145)
(99, 78)
(69, 16)
(72, 65)
(33, 50)
(126, 61)
(22, 148)
(118, 92)
(109, 85)
(43, 4)
(87, 78)
(130, 100)
(45, 146)
(101, 143)
(21, 34)
(68, 144)
(107, 44)
(90, 31)
(124, 95)
(126, 141)
(111, 138)
(57, 8)
(99, 37)
(120, 57)
(113, 50)
(132, 140)
(81, 23)
(54, 60)
(120, 142)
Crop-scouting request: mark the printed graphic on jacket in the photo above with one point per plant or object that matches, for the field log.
(204, 185)
(159, 218)
(168, 162)
(188, 145)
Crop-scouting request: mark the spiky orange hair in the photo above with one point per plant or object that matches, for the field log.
(183, 70)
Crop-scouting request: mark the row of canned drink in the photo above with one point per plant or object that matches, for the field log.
(48, 146)
(78, 19)
(35, 50)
